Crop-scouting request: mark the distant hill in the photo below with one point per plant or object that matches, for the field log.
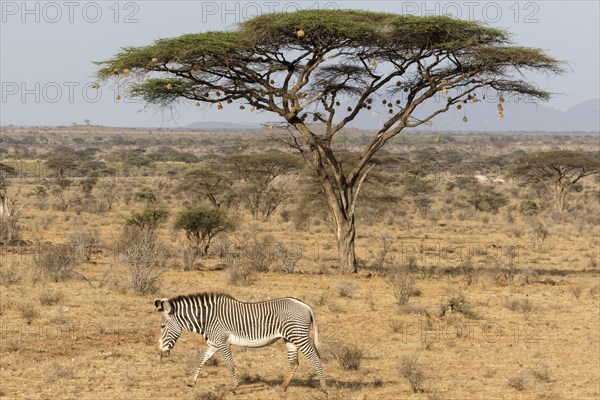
(219, 126)
(518, 117)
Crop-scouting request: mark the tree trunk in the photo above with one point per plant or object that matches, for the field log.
(560, 196)
(345, 240)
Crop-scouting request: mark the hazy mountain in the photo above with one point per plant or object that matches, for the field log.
(219, 126)
(481, 116)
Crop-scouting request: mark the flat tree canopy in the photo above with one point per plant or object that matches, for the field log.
(559, 171)
(327, 66)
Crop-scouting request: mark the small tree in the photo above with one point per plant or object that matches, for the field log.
(201, 225)
(205, 182)
(258, 171)
(559, 171)
(485, 198)
(147, 195)
(149, 219)
(9, 213)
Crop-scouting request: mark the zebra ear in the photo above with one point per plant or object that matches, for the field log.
(162, 305)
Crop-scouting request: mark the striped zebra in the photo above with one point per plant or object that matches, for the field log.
(224, 321)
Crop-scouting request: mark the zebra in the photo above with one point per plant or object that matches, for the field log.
(225, 321)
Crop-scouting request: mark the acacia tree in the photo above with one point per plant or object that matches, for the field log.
(301, 66)
(204, 182)
(258, 172)
(559, 171)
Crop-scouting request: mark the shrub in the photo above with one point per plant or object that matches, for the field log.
(458, 303)
(149, 218)
(84, 241)
(202, 224)
(542, 374)
(412, 370)
(289, 256)
(9, 275)
(404, 288)
(240, 274)
(145, 258)
(380, 261)
(526, 306)
(485, 198)
(258, 256)
(349, 357)
(57, 261)
(346, 289)
(518, 382)
(528, 207)
(28, 312)
(49, 298)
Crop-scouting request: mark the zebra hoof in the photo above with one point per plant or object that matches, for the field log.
(190, 384)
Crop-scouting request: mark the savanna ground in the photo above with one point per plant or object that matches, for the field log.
(501, 302)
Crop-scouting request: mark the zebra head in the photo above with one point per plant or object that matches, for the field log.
(169, 327)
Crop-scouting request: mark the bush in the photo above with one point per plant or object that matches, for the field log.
(9, 275)
(289, 257)
(57, 261)
(49, 298)
(145, 258)
(149, 219)
(485, 198)
(346, 289)
(28, 312)
(202, 224)
(240, 274)
(458, 303)
(349, 357)
(404, 288)
(83, 242)
(518, 382)
(528, 207)
(412, 370)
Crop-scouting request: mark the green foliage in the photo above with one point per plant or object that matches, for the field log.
(149, 218)
(528, 207)
(458, 303)
(146, 194)
(415, 185)
(380, 36)
(485, 198)
(202, 224)
(204, 182)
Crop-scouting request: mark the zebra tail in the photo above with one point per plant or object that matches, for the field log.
(314, 321)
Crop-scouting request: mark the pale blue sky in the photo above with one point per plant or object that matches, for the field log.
(47, 49)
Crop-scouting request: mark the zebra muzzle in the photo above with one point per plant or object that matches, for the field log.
(165, 354)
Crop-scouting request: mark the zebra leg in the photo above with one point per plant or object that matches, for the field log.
(206, 355)
(226, 351)
(292, 354)
(310, 352)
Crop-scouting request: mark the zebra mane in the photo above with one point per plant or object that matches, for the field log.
(201, 297)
